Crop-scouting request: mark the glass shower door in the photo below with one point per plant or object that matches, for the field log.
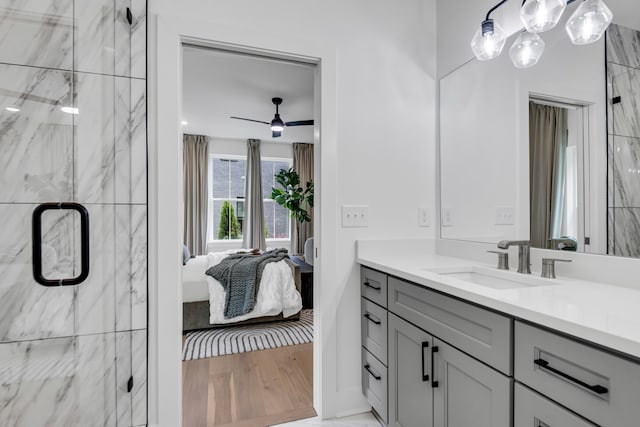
(73, 209)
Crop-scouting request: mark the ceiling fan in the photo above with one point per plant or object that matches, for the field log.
(277, 124)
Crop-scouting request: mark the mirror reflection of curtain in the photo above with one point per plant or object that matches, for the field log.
(303, 164)
(253, 227)
(196, 191)
(547, 171)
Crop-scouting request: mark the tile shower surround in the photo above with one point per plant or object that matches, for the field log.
(66, 354)
(623, 79)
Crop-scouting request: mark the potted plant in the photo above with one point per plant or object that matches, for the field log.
(293, 196)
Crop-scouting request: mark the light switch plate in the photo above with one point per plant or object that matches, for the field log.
(504, 215)
(423, 217)
(447, 217)
(355, 216)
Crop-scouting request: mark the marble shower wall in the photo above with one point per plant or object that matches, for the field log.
(623, 88)
(67, 353)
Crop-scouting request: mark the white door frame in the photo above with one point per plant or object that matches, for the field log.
(166, 216)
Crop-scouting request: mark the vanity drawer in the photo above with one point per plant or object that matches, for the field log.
(373, 286)
(482, 334)
(374, 383)
(533, 410)
(374, 329)
(597, 385)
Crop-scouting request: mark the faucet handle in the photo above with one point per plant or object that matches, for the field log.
(549, 267)
(503, 259)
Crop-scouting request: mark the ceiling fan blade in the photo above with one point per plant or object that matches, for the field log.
(250, 120)
(300, 123)
(276, 134)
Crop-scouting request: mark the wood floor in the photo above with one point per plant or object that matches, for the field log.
(254, 389)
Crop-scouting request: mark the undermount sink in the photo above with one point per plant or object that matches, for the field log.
(491, 278)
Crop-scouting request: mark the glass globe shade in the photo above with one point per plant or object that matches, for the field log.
(488, 41)
(589, 22)
(541, 15)
(526, 50)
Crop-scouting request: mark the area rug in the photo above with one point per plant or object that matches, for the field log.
(240, 339)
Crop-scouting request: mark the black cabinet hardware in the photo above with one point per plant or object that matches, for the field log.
(36, 238)
(425, 345)
(129, 16)
(434, 350)
(369, 285)
(373, 374)
(130, 385)
(371, 319)
(598, 389)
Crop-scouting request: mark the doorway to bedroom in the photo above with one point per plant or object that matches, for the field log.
(249, 150)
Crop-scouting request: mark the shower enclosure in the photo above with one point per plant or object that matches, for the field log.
(73, 213)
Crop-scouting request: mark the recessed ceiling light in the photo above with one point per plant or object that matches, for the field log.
(70, 110)
(12, 109)
(184, 123)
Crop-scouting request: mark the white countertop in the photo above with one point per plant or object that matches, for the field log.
(603, 314)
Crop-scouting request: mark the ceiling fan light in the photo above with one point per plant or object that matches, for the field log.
(488, 41)
(589, 22)
(277, 125)
(526, 50)
(541, 15)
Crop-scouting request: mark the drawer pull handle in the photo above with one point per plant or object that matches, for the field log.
(369, 285)
(372, 319)
(594, 388)
(434, 350)
(373, 374)
(425, 377)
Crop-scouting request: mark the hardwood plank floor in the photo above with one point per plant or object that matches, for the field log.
(254, 389)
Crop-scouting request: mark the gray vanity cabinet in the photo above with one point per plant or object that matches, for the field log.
(468, 393)
(533, 410)
(410, 389)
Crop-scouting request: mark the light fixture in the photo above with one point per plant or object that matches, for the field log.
(277, 125)
(541, 15)
(12, 109)
(586, 25)
(589, 22)
(184, 123)
(526, 50)
(69, 110)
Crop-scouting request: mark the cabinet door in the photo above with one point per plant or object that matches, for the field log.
(468, 393)
(410, 392)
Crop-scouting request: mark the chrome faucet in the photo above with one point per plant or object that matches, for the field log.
(524, 257)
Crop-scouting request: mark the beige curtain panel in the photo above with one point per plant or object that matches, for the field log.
(196, 192)
(303, 164)
(253, 226)
(547, 171)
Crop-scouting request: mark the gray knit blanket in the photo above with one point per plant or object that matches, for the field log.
(240, 276)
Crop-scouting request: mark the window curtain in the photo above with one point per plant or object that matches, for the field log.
(196, 190)
(253, 226)
(547, 172)
(303, 164)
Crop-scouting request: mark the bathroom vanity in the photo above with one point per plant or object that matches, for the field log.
(452, 342)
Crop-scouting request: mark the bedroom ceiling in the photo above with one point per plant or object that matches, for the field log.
(218, 84)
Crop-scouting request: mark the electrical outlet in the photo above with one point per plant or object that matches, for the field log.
(423, 216)
(504, 215)
(355, 216)
(447, 217)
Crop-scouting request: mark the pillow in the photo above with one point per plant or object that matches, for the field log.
(186, 255)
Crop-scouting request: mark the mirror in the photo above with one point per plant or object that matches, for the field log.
(585, 192)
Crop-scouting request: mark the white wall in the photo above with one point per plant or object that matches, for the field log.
(383, 156)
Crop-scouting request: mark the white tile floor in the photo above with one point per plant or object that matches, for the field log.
(362, 420)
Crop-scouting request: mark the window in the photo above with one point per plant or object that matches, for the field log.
(228, 198)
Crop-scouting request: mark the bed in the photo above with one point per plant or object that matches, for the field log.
(203, 297)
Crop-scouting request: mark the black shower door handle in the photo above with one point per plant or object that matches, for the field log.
(37, 243)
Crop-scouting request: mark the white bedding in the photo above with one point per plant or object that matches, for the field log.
(277, 292)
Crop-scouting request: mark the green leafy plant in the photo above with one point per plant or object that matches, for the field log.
(229, 225)
(293, 196)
